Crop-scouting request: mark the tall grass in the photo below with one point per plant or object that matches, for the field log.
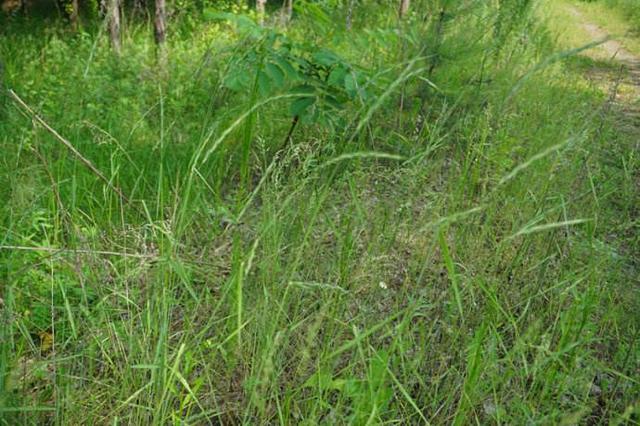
(444, 250)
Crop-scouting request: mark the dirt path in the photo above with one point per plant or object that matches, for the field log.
(626, 81)
(619, 76)
(614, 48)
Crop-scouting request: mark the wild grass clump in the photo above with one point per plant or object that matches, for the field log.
(427, 221)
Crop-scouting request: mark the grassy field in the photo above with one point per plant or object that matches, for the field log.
(620, 25)
(456, 242)
(560, 16)
(630, 9)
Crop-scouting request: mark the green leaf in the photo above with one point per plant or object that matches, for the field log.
(326, 57)
(350, 85)
(333, 102)
(288, 69)
(304, 89)
(264, 84)
(275, 73)
(300, 106)
(336, 77)
(237, 80)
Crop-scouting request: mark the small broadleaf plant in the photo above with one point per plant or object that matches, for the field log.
(276, 65)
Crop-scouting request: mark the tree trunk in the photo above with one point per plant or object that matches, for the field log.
(74, 15)
(350, 6)
(140, 9)
(260, 9)
(161, 23)
(113, 15)
(2, 87)
(404, 8)
(160, 33)
(287, 11)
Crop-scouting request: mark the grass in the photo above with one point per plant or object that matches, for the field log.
(469, 257)
(630, 9)
(612, 19)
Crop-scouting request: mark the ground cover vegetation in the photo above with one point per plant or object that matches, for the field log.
(630, 8)
(317, 212)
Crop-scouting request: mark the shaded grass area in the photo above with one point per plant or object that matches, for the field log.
(484, 269)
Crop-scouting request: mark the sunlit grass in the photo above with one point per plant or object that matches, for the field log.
(571, 31)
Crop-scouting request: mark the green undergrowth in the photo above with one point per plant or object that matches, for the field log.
(453, 240)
